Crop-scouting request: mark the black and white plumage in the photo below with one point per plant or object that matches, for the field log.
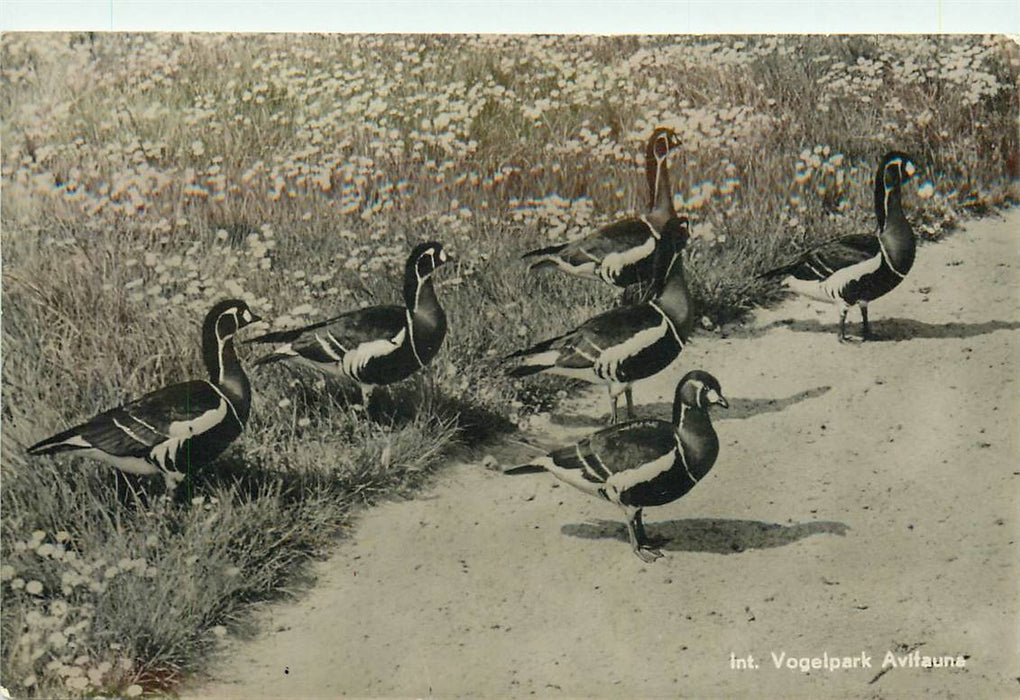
(644, 462)
(172, 430)
(376, 345)
(625, 344)
(860, 268)
(621, 253)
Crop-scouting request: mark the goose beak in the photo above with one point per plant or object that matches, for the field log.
(715, 397)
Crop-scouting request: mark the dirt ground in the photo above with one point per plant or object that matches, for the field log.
(864, 500)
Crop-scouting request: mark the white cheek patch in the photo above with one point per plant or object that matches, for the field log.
(910, 169)
(246, 316)
(712, 396)
(442, 256)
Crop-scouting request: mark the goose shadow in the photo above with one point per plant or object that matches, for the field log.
(714, 535)
(739, 408)
(579, 420)
(898, 329)
(397, 404)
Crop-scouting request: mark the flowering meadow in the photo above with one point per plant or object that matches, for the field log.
(145, 177)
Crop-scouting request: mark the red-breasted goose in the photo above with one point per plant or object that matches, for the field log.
(172, 430)
(621, 253)
(625, 344)
(376, 345)
(860, 268)
(644, 462)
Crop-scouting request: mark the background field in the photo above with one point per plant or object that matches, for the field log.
(145, 177)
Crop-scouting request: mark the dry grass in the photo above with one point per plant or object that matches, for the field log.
(145, 177)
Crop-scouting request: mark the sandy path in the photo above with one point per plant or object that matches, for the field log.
(865, 499)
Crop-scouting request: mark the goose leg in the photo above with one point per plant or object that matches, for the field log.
(629, 394)
(613, 398)
(643, 538)
(172, 480)
(638, 539)
(865, 329)
(366, 395)
(843, 309)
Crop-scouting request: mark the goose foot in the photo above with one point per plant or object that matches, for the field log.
(647, 554)
(639, 540)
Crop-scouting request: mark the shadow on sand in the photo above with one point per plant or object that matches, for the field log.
(897, 329)
(716, 535)
(739, 409)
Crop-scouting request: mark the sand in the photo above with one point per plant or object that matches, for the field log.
(864, 502)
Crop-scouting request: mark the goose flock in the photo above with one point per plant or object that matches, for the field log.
(635, 463)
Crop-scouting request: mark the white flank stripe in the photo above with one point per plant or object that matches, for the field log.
(77, 441)
(835, 285)
(630, 478)
(613, 264)
(832, 288)
(611, 358)
(181, 431)
(356, 359)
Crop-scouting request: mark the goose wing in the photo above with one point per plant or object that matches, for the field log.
(619, 253)
(622, 450)
(328, 341)
(823, 261)
(174, 413)
(615, 328)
